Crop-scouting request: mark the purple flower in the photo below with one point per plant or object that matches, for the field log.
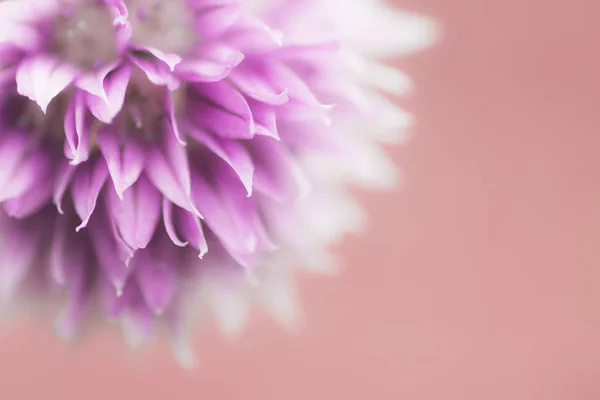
(159, 156)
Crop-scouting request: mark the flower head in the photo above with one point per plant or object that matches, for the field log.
(160, 155)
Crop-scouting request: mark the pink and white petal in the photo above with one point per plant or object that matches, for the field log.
(41, 78)
(253, 36)
(200, 70)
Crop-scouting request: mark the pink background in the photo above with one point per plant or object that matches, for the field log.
(477, 280)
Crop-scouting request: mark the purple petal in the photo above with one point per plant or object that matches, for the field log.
(125, 162)
(87, 183)
(265, 119)
(115, 87)
(191, 230)
(19, 252)
(168, 170)
(137, 214)
(77, 130)
(19, 181)
(232, 152)
(169, 222)
(110, 256)
(222, 110)
(156, 71)
(226, 212)
(277, 174)
(253, 79)
(172, 118)
(216, 19)
(67, 323)
(210, 64)
(93, 82)
(64, 177)
(156, 279)
(32, 200)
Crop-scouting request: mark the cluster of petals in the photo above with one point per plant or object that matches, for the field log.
(161, 156)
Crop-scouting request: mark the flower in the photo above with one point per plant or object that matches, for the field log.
(159, 156)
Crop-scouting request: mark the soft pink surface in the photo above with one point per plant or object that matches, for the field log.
(478, 280)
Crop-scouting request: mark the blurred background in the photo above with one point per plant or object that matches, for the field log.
(478, 279)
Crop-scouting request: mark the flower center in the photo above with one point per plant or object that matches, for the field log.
(162, 24)
(85, 36)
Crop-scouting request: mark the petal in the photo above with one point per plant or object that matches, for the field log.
(265, 119)
(169, 171)
(227, 211)
(64, 177)
(169, 222)
(41, 78)
(137, 214)
(214, 20)
(18, 254)
(199, 70)
(253, 79)
(93, 82)
(12, 151)
(221, 109)
(115, 87)
(277, 173)
(67, 322)
(191, 230)
(156, 71)
(87, 183)
(156, 279)
(253, 36)
(32, 200)
(210, 64)
(172, 118)
(228, 305)
(171, 60)
(29, 172)
(125, 162)
(110, 256)
(232, 152)
(77, 126)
